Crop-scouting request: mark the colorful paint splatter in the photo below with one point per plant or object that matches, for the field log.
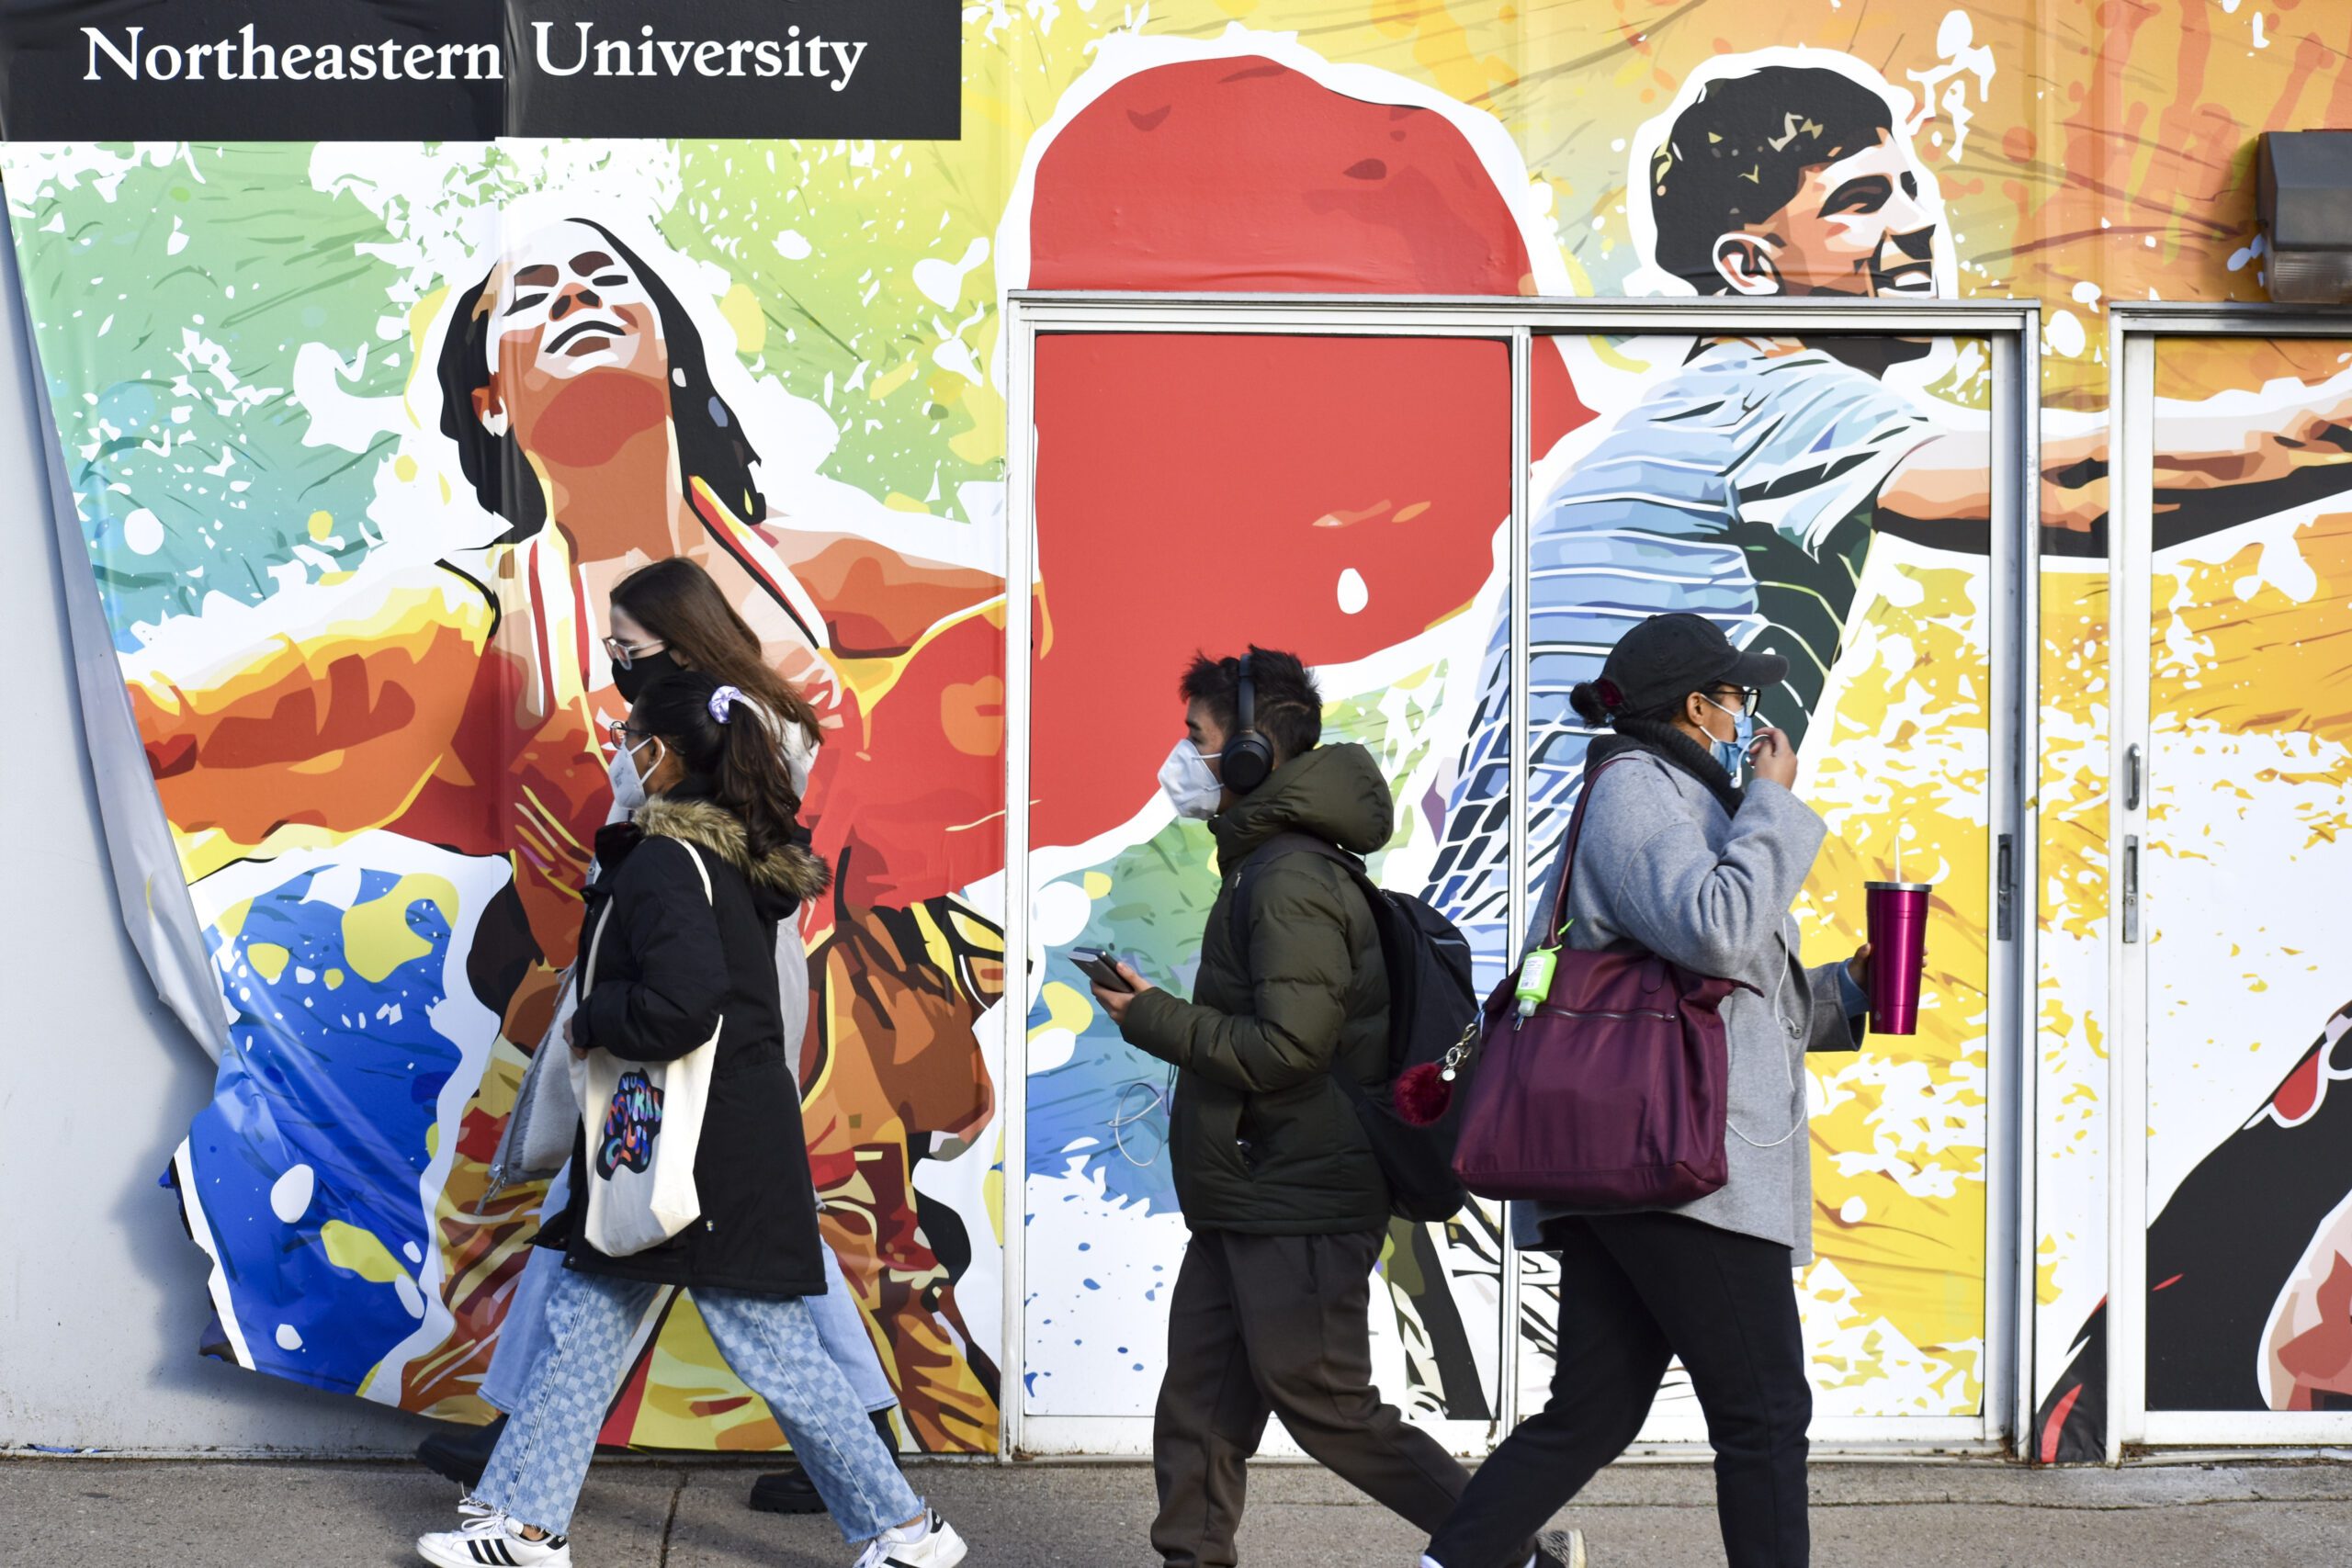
(353, 536)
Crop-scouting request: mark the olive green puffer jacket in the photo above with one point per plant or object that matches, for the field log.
(1262, 1137)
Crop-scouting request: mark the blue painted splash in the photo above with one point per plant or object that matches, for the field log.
(345, 1080)
(1103, 1098)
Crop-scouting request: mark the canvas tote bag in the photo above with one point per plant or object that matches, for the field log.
(644, 1127)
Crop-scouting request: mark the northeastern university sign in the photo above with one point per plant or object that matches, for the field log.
(428, 70)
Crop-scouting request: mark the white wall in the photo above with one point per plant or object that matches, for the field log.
(102, 1295)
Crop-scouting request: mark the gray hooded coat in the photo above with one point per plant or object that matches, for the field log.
(1662, 862)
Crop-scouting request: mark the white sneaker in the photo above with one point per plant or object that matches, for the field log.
(929, 1543)
(487, 1539)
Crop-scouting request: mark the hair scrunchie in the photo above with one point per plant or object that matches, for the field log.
(723, 701)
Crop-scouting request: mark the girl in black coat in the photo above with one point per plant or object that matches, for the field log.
(682, 930)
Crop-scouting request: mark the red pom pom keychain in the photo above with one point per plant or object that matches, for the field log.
(1423, 1093)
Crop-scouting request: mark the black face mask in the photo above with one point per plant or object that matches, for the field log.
(642, 672)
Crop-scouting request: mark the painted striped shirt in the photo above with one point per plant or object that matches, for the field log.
(1738, 488)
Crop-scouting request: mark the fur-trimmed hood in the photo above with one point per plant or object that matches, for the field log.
(792, 871)
(680, 958)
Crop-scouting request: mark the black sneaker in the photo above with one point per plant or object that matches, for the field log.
(461, 1453)
(789, 1490)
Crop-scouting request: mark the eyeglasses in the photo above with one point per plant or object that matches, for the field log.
(625, 656)
(1749, 697)
(623, 737)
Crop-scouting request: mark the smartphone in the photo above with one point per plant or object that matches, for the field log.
(1100, 967)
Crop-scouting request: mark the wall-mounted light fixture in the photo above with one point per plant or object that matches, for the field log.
(2305, 203)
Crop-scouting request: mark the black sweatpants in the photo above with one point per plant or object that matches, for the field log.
(1275, 1325)
(1636, 1290)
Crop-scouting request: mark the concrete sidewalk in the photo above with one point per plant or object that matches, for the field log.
(229, 1514)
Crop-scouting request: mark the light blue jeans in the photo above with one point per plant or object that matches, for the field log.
(771, 1342)
(523, 1335)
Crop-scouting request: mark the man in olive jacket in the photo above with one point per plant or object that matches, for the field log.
(1285, 1203)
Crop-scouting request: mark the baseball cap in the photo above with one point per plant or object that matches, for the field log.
(1666, 658)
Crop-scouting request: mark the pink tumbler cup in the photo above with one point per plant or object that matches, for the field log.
(1898, 937)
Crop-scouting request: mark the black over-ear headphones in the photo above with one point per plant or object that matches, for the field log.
(1248, 758)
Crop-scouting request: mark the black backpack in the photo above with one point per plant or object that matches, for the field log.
(1432, 1006)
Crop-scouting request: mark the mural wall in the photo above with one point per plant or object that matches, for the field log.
(362, 436)
(356, 517)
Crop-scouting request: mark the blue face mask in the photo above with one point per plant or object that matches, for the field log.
(1732, 753)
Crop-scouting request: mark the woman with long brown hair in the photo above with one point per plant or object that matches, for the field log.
(671, 615)
(689, 895)
(666, 618)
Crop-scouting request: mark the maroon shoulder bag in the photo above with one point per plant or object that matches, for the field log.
(1613, 1094)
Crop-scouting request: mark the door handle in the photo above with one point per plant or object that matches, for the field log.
(2005, 903)
(2131, 888)
(2132, 759)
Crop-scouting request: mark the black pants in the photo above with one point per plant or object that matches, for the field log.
(1636, 1290)
(1275, 1325)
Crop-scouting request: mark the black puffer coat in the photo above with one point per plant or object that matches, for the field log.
(1262, 1136)
(672, 965)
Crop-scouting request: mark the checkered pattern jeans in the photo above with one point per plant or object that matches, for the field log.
(770, 1341)
(522, 1333)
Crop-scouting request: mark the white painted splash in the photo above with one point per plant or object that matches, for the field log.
(1060, 913)
(142, 531)
(1945, 84)
(2065, 335)
(941, 281)
(289, 1195)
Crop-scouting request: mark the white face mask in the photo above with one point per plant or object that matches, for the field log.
(628, 785)
(1732, 753)
(1189, 785)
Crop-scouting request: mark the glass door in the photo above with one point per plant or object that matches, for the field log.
(1831, 497)
(1342, 498)
(2236, 754)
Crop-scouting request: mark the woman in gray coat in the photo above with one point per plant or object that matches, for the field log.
(1675, 856)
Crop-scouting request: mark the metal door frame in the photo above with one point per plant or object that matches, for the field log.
(2011, 330)
(2133, 332)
